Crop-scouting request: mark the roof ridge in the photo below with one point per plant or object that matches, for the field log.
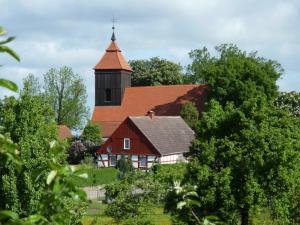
(172, 85)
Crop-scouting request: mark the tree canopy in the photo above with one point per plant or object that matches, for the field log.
(234, 75)
(66, 93)
(155, 71)
(247, 152)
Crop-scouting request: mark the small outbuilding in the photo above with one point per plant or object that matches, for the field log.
(146, 140)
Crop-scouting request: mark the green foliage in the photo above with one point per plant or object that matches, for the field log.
(190, 114)
(124, 166)
(166, 174)
(155, 71)
(234, 75)
(92, 133)
(61, 202)
(22, 183)
(66, 93)
(289, 101)
(137, 221)
(95, 215)
(244, 158)
(85, 146)
(132, 197)
(246, 154)
(4, 49)
(32, 137)
(183, 202)
(32, 85)
(100, 176)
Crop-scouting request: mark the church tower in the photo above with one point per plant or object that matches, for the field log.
(112, 76)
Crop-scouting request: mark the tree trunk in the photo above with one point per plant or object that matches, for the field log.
(244, 216)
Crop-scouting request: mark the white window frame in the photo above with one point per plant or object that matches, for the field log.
(124, 143)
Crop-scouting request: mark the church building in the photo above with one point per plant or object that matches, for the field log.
(116, 101)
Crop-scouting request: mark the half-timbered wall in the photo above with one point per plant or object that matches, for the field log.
(174, 158)
(141, 152)
(138, 161)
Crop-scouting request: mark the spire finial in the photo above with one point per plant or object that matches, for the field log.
(113, 20)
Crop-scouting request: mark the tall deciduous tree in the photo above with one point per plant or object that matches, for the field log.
(247, 152)
(234, 75)
(155, 71)
(67, 95)
(245, 158)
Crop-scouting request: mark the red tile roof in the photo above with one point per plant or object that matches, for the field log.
(113, 59)
(137, 101)
(64, 132)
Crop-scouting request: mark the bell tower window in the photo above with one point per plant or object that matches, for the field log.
(108, 95)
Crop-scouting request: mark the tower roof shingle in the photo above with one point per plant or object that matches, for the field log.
(113, 59)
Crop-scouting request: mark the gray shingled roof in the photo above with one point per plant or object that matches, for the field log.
(168, 134)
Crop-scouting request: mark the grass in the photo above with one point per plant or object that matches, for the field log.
(95, 215)
(96, 176)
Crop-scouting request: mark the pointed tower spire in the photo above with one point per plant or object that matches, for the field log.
(113, 37)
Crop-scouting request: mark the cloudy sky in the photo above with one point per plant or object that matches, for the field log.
(76, 33)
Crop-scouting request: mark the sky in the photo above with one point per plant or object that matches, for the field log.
(75, 33)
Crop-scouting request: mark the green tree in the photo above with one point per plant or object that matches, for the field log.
(32, 85)
(32, 137)
(289, 101)
(190, 114)
(183, 203)
(61, 200)
(246, 152)
(132, 198)
(234, 75)
(92, 132)
(155, 71)
(243, 159)
(67, 95)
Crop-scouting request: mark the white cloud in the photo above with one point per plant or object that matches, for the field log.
(76, 33)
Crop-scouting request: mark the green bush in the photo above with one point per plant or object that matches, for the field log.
(167, 173)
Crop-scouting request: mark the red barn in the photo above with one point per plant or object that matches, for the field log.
(146, 140)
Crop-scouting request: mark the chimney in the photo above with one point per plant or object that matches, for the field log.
(151, 114)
